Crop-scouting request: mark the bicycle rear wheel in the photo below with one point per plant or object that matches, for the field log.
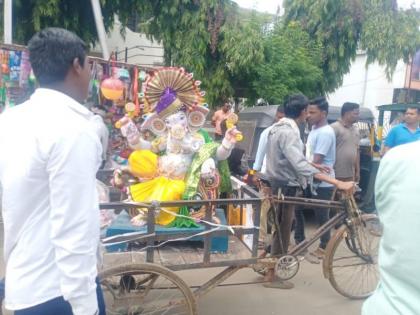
(351, 260)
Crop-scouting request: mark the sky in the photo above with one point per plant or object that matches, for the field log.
(270, 6)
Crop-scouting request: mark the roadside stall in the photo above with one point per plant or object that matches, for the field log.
(115, 90)
(17, 81)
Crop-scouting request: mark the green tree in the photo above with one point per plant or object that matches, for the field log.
(30, 16)
(292, 64)
(343, 26)
(389, 34)
(208, 38)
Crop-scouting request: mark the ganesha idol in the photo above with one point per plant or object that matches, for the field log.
(181, 162)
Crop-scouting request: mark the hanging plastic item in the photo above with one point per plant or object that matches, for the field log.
(25, 70)
(142, 75)
(5, 63)
(135, 92)
(14, 65)
(112, 88)
(122, 74)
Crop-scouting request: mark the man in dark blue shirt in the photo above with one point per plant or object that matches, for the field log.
(407, 132)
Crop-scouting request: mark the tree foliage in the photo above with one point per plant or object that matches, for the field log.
(206, 37)
(292, 64)
(388, 34)
(242, 53)
(30, 16)
(343, 26)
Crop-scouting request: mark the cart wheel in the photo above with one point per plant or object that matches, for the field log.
(351, 260)
(287, 267)
(135, 289)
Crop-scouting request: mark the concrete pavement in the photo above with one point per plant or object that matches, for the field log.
(312, 295)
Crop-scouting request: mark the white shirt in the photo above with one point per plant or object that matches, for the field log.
(397, 190)
(322, 141)
(103, 133)
(260, 157)
(49, 157)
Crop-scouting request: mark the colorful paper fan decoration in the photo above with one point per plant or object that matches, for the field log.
(168, 88)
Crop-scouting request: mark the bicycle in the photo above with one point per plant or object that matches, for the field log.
(350, 262)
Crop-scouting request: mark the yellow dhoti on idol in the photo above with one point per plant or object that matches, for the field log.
(144, 164)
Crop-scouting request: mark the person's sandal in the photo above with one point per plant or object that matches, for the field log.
(258, 268)
(316, 256)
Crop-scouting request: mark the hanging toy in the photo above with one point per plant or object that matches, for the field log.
(131, 110)
(5, 62)
(112, 88)
(129, 130)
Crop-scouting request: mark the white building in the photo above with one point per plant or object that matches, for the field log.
(140, 50)
(369, 86)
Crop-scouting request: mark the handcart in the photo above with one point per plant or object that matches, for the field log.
(142, 279)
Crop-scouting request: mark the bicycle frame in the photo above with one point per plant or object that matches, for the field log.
(330, 224)
(348, 214)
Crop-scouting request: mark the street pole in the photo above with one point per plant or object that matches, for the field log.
(100, 28)
(7, 27)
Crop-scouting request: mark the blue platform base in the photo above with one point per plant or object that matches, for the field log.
(122, 225)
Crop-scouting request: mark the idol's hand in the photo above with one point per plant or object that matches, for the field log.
(233, 135)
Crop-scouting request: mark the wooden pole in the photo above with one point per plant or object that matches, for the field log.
(100, 28)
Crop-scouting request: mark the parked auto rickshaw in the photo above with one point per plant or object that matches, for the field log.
(389, 115)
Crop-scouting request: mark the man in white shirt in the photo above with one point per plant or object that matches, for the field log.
(320, 151)
(50, 156)
(103, 133)
(397, 201)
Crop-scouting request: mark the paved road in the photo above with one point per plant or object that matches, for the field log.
(312, 294)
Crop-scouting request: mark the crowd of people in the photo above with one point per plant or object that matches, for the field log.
(318, 165)
(50, 204)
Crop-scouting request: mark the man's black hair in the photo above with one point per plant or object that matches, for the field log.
(294, 105)
(321, 103)
(280, 109)
(414, 107)
(348, 107)
(52, 52)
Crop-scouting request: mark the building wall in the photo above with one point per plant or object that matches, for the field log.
(368, 86)
(148, 54)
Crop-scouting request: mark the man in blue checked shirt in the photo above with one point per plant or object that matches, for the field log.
(407, 132)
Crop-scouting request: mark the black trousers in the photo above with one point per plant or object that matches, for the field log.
(284, 216)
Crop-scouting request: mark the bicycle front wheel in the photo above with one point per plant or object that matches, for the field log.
(351, 260)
